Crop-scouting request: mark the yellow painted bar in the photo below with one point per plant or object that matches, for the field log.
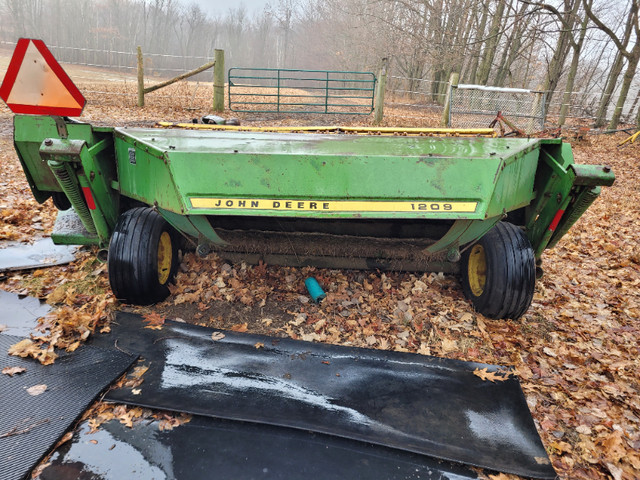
(631, 139)
(411, 131)
(214, 203)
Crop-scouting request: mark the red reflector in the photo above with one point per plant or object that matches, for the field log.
(556, 220)
(89, 198)
(36, 84)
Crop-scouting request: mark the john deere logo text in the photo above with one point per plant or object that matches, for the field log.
(330, 205)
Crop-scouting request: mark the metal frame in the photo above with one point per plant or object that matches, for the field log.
(329, 99)
(541, 101)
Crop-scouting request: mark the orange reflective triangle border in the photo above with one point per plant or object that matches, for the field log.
(36, 84)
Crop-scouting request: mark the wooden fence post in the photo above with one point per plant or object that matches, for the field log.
(140, 78)
(382, 85)
(218, 82)
(446, 112)
(537, 105)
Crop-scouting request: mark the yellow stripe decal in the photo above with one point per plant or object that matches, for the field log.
(330, 205)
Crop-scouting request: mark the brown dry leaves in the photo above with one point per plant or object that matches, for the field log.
(82, 303)
(27, 348)
(11, 371)
(36, 390)
(153, 321)
(493, 377)
(131, 416)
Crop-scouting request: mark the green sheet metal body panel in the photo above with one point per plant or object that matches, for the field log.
(193, 177)
(325, 176)
(29, 133)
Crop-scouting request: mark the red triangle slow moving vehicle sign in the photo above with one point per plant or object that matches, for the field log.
(36, 84)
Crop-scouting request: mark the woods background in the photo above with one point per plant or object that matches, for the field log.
(583, 53)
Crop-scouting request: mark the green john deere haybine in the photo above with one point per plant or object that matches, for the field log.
(484, 208)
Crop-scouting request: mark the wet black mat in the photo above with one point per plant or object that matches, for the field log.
(39, 254)
(31, 425)
(19, 314)
(234, 450)
(416, 403)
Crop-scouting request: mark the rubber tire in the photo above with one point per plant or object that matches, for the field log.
(60, 201)
(510, 273)
(133, 257)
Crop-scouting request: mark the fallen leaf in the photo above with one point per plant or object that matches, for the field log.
(485, 375)
(139, 371)
(267, 321)
(217, 336)
(154, 321)
(36, 390)
(240, 327)
(449, 345)
(583, 429)
(616, 472)
(95, 442)
(168, 422)
(466, 317)
(259, 345)
(28, 348)
(136, 391)
(11, 371)
(613, 446)
(24, 348)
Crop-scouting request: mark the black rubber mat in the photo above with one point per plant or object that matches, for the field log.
(416, 403)
(234, 450)
(39, 254)
(19, 314)
(31, 425)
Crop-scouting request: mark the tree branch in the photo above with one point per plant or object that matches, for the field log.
(605, 29)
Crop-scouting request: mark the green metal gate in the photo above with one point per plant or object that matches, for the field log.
(279, 90)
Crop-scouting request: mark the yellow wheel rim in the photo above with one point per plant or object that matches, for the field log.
(165, 258)
(477, 270)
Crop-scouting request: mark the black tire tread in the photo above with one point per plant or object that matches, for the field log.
(510, 281)
(133, 256)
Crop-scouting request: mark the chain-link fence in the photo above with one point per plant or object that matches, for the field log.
(507, 109)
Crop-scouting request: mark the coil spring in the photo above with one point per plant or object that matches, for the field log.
(72, 191)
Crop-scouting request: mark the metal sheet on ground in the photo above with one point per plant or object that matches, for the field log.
(19, 314)
(416, 403)
(42, 253)
(30, 425)
(233, 450)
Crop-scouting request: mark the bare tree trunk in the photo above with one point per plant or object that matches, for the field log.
(512, 48)
(624, 90)
(607, 94)
(573, 70)
(473, 70)
(491, 44)
(635, 102)
(633, 108)
(632, 56)
(563, 45)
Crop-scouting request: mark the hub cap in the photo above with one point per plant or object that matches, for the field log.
(165, 259)
(477, 270)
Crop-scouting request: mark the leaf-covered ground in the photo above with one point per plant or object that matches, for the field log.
(575, 351)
